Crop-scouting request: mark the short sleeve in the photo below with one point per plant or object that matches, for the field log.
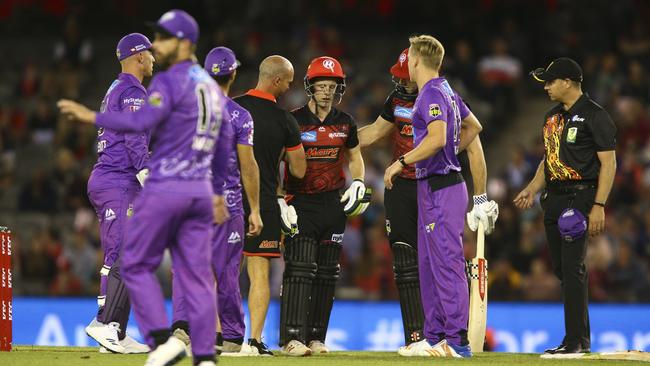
(292, 140)
(245, 128)
(388, 111)
(431, 106)
(353, 138)
(604, 131)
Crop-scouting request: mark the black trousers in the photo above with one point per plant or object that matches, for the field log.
(568, 259)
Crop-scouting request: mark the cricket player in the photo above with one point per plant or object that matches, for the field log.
(312, 256)
(401, 200)
(112, 186)
(228, 240)
(175, 208)
(437, 118)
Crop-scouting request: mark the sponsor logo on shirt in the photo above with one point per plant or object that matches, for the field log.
(138, 48)
(308, 136)
(577, 118)
(429, 227)
(406, 130)
(109, 214)
(338, 134)
(403, 112)
(101, 145)
(571, 134)
(337, 238)
(434, 110)
(317, 153)
(321, 129)
(268, 244)
(234, 238)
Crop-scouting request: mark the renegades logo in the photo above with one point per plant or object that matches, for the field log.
(322, 153)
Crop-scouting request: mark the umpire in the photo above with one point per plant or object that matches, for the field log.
(577, 175)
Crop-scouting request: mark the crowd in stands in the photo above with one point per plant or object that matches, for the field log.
(45, 160)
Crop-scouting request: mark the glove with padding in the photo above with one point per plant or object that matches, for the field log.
(485, 211)
(356, 198)
(142, 176)
(288, 218)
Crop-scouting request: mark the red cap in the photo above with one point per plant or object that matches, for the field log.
(325, 66)
(401, 67)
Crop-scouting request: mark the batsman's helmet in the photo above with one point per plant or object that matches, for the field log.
(324, 67)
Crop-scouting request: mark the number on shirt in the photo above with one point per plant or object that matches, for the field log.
(208, 122)
(457, 124)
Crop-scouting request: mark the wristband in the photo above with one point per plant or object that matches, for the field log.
(401, 161)
(601, 204)
(481, 198)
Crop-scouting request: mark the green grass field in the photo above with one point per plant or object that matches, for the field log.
(73, 356)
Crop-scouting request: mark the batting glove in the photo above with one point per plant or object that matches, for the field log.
(485, 211)
(142, 176)
(288, 218)
(356, 198)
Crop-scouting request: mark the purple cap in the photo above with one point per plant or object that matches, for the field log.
(177, 23)
(572, 224)
(221, 61)
(131, 44)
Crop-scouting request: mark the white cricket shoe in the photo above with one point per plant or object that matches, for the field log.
(130, 346)
(106, 335)
(185, 338)
(207, 363)
(424, 349)
(318, 347)
(296, 348)
(167, 354)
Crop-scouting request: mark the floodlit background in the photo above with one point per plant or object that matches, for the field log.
(60, 48)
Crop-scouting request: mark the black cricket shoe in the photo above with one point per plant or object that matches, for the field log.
(259, 347)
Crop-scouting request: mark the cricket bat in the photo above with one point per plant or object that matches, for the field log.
(478, 272)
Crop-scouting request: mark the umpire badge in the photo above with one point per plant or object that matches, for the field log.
(571, 135)
(434, 110)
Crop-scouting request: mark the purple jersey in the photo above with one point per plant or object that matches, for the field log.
(184, 111)
(120, 155)
(241, 123)
(438, 102)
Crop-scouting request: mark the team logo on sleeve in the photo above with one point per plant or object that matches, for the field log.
(434, 110)
(155, 99)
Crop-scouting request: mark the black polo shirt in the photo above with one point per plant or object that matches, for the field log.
(275, 130)
(572, 139)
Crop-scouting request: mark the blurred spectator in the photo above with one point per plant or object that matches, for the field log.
(504, 281)
(42, 123)
(540, 284)
(38, 194)
(83, 260)
(627, 278)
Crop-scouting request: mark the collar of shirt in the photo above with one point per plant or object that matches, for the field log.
(261, 94)
(584, 98)
(128, 77)
(432, 82)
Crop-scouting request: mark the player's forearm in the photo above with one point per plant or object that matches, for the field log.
(372, 133)
(477, 166)
(356, 165)
(428, 147)
(606, 177)
(144, 119)
(250, 176)
(539, 180)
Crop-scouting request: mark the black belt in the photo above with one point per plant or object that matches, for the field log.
(437, 182)
(570, 188)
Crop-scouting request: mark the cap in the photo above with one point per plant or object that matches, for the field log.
(221, 61)
(177, 23)
(572, 224)
(131, 44)
(401, 68)
(561, 68)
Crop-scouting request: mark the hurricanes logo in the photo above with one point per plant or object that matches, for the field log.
(329, 64)
(215, 68)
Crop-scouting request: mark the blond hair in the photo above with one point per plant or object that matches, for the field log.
(429, 49)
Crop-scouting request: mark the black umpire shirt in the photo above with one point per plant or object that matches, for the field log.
(275, 130)
(571, 140)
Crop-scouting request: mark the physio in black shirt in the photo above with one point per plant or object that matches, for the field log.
(575, 178)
